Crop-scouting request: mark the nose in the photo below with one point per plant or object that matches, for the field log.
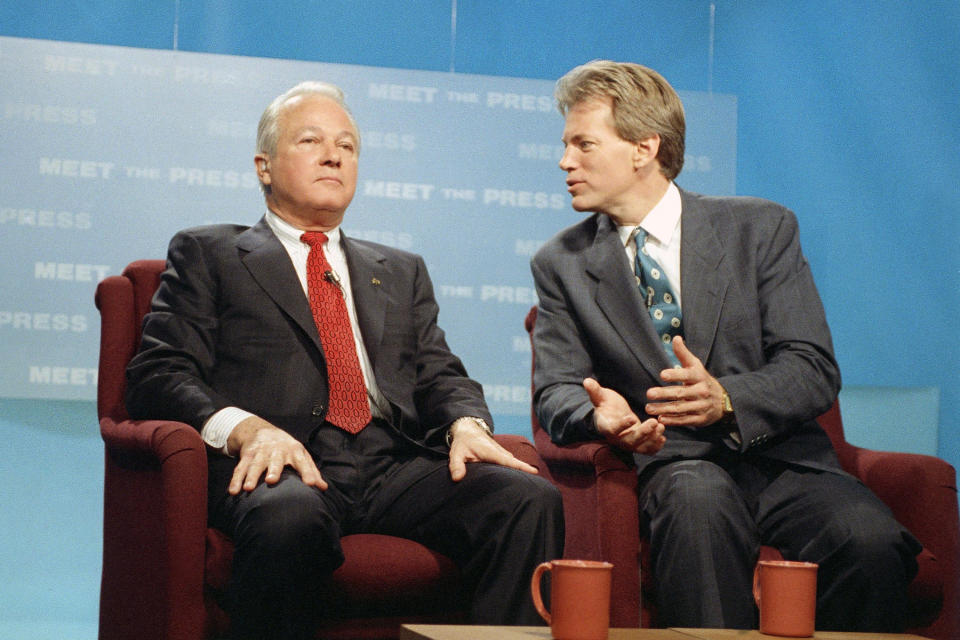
(330, 155)
(566, 160)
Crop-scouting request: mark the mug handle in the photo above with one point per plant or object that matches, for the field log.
(756, 584)
(535, 590)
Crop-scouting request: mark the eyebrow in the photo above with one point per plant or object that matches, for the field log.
(344, 133)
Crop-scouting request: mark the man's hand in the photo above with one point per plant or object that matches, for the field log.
(262, 447)
(472, 444)
(619, 425)
(696, 398)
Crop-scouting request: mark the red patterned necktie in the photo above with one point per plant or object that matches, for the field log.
(349, 407)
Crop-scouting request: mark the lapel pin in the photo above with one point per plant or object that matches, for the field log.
(375, 281)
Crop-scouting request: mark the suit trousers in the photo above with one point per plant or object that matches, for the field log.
(496, 524)
(708, 518)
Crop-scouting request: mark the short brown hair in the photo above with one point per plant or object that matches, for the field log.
(644, 104)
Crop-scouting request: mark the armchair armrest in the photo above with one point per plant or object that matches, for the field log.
(921, 491)
(599, 489)
(905, 481)
(154, 536)
(523, 450)
(597, 456)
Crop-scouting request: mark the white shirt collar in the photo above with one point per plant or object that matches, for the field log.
(661, 222)
(289, 233)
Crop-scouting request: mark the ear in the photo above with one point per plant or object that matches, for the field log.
(262, 163)
(645, 151)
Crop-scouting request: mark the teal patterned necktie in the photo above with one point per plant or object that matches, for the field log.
(659, 298)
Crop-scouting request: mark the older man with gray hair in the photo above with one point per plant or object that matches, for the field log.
(313, 366)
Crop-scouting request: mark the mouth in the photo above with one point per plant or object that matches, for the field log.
(573, 184)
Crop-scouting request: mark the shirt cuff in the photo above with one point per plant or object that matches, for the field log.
(218, 427)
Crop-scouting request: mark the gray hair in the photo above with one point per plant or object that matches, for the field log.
(268, 131)
(644, 104)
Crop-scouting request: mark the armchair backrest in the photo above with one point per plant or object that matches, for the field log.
(123, 301)
(832, 423)
(541, 438)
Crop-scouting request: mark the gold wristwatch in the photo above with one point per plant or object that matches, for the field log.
(727, 406)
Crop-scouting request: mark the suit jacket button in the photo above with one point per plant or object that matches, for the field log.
(317, 410)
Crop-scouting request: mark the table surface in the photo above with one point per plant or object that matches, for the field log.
(477, 632)
(737, 634)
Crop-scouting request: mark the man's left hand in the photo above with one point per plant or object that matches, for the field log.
(693, 398)
(472, 444)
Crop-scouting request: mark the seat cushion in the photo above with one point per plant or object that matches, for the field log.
(381, 576)
(384, 575)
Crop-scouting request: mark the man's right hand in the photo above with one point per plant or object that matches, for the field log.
(262, 447)
(619, 425)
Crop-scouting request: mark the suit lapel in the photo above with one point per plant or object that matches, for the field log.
(618, 298)
(703, 278)
(369, 284)
(269, 265)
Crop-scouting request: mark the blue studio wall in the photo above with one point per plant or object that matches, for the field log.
(847, 112)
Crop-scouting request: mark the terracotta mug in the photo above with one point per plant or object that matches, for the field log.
(786, 593)
(579, 597)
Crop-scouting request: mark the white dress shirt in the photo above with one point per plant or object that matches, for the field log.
(662, 225)
(216, 430)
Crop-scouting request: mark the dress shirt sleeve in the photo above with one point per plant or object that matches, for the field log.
(217, 429)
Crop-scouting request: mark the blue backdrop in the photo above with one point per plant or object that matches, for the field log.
(845, 112)
(460, 168)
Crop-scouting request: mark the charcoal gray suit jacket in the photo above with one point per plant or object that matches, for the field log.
(751, 313)
(230, 326)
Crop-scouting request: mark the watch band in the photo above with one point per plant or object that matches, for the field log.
(727, 405)
(480, 422)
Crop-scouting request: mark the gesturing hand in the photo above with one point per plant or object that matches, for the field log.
(262, 447)
(619, 425)
(696, 400)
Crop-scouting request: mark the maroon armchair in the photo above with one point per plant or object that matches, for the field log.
(163, 567)
(600, 504)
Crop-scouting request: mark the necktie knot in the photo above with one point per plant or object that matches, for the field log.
(640, 237)
(314, 238)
